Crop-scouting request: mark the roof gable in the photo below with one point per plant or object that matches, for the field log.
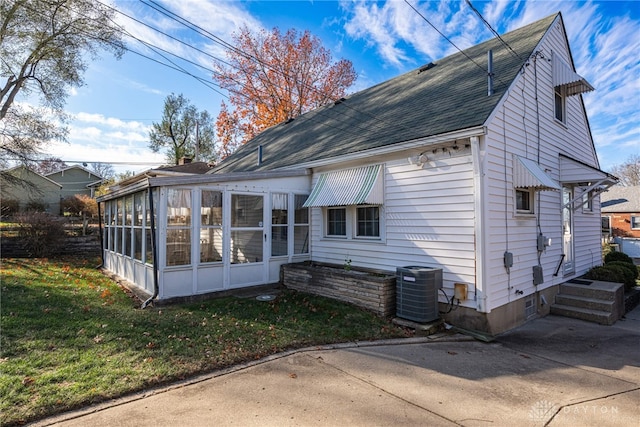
(451, 95)
(91, 176)
(26, 174)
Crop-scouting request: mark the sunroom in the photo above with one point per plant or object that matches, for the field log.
(175, 237)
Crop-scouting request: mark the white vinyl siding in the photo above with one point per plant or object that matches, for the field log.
(428, 217)
(517, 234)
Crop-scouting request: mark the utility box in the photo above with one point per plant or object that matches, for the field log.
(417, 293)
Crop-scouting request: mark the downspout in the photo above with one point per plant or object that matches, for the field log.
(481, 272)
(154, 253)
(101, 238)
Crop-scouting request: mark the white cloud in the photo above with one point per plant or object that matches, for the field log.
(111, 122)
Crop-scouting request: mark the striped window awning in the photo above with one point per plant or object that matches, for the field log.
(356, 186)
(564, 76)
(529, 174)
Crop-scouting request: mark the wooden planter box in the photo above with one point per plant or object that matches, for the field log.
(372, 289)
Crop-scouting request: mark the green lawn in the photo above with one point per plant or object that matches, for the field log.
(71, 337)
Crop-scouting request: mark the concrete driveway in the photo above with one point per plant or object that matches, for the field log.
(552, 371)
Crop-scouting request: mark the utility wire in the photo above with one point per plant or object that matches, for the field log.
(223, 43)
(477, 12)
(453, 44)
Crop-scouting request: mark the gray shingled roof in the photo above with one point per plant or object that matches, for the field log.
(450, 96)
(620, 199)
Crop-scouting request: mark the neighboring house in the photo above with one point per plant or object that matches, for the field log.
(76, 180)
(620, 207)
(35, 191)
(497, 186)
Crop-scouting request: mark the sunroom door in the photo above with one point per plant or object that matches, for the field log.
(247, 240)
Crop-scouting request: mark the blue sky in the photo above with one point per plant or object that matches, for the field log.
(112, 112)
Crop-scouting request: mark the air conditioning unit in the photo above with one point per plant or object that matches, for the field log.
(417, 293)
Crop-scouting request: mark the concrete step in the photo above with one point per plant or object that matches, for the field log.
(597, 290)
(597, 316)
(584, 302)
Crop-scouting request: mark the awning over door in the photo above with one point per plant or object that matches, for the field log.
(574, 171)
(356, 186)
(592, 180)
(564, 76)
(528, 174)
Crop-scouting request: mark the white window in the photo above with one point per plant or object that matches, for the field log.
(279, 224)
(300, 226)
(368, 221)
(337, 222)
(353, 222)
(524, 201)
(178, 227)
(210, 226)
(559, 94)
(635, 222)
(606, 224)
(587, 202)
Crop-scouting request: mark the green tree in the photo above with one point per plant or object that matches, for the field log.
(45, 46)
(183, 132)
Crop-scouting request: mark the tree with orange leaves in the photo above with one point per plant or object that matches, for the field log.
(273, 77)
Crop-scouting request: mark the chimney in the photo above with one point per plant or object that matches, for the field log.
(184, 160)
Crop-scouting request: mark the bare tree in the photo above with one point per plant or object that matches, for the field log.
(629, 171)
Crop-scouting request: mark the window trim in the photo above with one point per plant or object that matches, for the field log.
(356, 219)
(524, 212)
(325, 221)
(631, 221)
(561, 93)
(587, 202)
(351, 224)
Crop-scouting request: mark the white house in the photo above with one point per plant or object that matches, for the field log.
(495, 183)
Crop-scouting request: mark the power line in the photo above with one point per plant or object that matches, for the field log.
(505, 44)
(216, 39)
(452, 43)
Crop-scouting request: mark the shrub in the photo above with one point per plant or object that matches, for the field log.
(613, 273)
(617, 256)
(41, 234)
(79, 204)
(625, 265)
(606, 274)
(36, 206)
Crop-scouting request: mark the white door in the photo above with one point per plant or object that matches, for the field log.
(247, 240)
(567, 231)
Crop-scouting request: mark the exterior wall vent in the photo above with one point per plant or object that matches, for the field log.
(529, 307)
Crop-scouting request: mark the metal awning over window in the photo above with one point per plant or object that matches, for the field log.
(348, 187)
(564, 76)
(593, 180)
(528, 174)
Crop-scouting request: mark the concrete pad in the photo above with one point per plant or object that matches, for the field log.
(475, 383)
(297, 390)
(552, 371)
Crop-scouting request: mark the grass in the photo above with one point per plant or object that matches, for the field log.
(71, 337)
